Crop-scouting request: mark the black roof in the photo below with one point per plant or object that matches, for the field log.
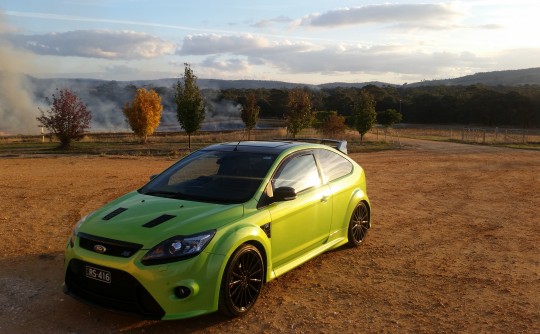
(273, 146)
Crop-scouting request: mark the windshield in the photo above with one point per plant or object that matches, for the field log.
(212, 176)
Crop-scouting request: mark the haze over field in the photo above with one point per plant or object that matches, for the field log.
(311, 42)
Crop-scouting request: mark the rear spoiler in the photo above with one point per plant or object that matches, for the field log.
(340, 145)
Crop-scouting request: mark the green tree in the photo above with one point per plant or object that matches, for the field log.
(190, 105)
(388, 118)
(250, 112)
(68, 117)
(144, 113)
(364, 115)
(298, 114)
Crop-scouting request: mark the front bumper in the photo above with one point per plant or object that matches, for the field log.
(148, 291)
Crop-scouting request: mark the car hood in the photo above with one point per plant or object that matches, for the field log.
(148, 220)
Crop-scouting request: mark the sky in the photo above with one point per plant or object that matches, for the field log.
(313, 42)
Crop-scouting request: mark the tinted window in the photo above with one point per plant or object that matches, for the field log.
(299, 172)
(333, 165)
(212, 176)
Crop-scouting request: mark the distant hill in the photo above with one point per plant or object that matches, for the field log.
(226, 84)
(529, 76)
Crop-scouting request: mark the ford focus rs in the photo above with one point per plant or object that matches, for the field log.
(209, 231)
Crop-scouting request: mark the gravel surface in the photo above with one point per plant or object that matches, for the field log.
(455, 247)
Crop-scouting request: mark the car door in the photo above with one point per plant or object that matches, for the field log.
(301, 224)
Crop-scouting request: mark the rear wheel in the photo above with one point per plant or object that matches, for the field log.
(359, 224)
(242, 281)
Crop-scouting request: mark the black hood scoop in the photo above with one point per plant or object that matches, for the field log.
(159, 220)
(114, 213)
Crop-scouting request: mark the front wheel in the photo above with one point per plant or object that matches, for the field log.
(359, 224)
(242, 281)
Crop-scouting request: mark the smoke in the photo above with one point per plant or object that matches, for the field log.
(104, 99)
(17, 111)
(222, 115)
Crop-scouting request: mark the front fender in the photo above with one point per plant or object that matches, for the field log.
(234, 235)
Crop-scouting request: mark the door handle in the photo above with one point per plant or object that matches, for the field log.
(324, 198)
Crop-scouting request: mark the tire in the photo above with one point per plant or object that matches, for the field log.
(359, 224)
(242, 281)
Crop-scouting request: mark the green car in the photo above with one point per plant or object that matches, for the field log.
(205, 234)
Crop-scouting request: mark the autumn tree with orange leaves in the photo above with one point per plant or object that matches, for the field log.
(144, 113)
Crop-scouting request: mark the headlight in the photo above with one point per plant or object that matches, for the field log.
(74, 230)
(178, 248)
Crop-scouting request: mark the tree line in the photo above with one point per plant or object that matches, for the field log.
(475, 104)
(330, 110)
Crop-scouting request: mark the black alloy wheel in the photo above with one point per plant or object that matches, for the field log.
(242, 281)
(359, 224)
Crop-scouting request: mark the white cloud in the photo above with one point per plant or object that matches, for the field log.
(230, 53)
(419, 14)
(271, 22)
(95, 44)
(206, 44)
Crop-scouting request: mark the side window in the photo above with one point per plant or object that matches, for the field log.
(333, 165)
(299, 172)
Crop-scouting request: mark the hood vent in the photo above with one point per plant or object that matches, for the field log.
(114, 213)
(159, 220)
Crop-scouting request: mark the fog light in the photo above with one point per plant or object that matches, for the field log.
(182, 292)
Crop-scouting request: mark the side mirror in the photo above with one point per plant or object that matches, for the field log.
(284, 194)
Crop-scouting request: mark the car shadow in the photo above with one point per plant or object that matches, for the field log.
(32, 298)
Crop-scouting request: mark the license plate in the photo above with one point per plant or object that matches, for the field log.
(98, 274)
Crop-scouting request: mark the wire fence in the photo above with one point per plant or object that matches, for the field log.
(481, 135)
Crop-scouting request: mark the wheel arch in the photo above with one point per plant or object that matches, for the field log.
(232, 240)
(358, 195)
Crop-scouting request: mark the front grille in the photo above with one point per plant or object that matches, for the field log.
(109, 246)
(123, 293)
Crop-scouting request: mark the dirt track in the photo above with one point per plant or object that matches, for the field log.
(455, 247)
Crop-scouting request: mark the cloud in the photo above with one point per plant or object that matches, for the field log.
(227, 65)
(205, 44)
(271, 22)
(419, 14)
(242, 54)
(247, 45)
(95, 44)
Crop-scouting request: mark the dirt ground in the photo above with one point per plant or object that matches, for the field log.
(455, 247)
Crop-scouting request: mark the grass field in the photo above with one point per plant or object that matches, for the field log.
(165, 143)
(175, 144)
